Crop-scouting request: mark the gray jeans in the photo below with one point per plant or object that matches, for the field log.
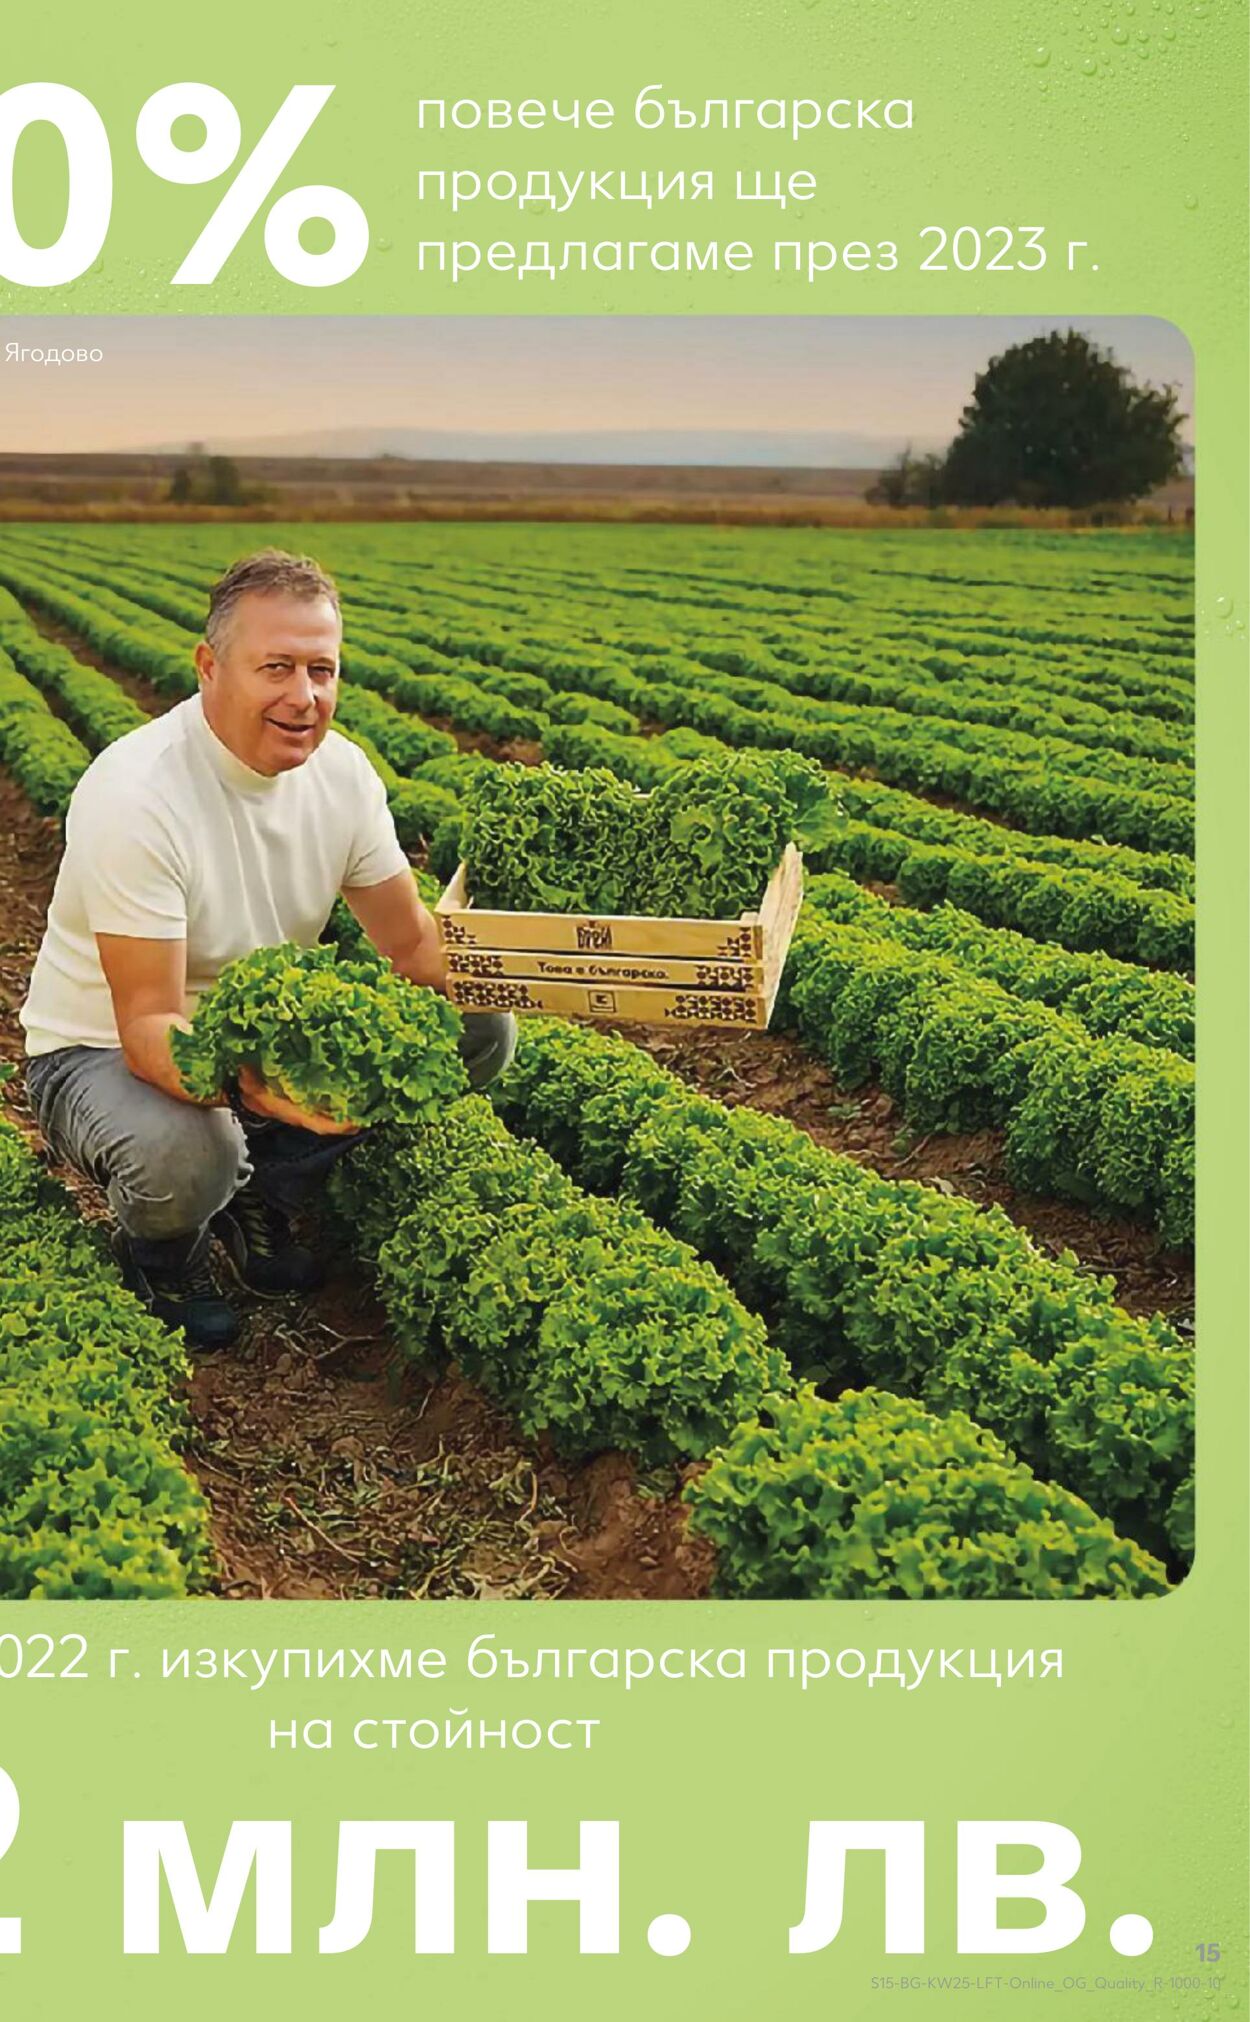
(169, 1166)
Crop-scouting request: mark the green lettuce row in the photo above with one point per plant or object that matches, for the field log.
(404, 741)
(890, 807)
(93, 704)
(455, 773)
(808, 611)
(63, 1297)
(573, 707)
(647, 760)
(104, 590)
(1155, 700)
(147, 653)
(41, 751)
(536, 698)
(1162, 656)
(161, 599)
(579, 673)
(90, 1510)
(588, 1324)
(1141, 690)
(595, 1330)
(1163, 648)
(181, 598)
(467, 705)
(388, 676)
(371, 663)
(351, 1039)
(966, 731)
(1065, 676)
(821, 590)
(596, 689)
(1008, 886)
(1167, 654)
(420, 810)
(1051, 781)
(1039, 791)
(1109, 998)
(954, 712)
(377, 661)
(1107, 1121)
(1085, 911)
(367, 658)
(94, 1503)
(422, 628)
(863, 1280)
(1096, 673)
(1023, 696)
(871, 1497)
(79, 1337)
(528, 691)
(539, 691)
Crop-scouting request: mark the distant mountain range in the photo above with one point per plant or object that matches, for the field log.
(817, 450)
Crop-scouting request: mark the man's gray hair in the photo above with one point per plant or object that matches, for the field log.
(270, 572)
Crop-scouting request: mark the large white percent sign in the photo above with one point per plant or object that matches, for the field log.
(247, 192)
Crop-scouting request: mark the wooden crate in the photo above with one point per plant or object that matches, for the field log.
(660, 972)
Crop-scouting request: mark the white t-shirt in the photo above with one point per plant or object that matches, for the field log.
(170, 837)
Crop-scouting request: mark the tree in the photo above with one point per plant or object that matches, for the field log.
(909, 480)
(224, 486)
(180, 486)
(1057, 422)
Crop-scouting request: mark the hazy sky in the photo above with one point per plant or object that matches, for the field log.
(218, 378)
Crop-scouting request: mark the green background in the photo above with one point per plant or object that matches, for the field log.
(1141, 1748)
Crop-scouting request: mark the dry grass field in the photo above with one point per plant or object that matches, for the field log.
(117, 487)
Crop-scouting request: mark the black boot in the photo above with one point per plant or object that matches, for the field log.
(257, 1238)
(178, 1288)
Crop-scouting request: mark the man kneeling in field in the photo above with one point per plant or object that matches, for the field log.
(232, 823)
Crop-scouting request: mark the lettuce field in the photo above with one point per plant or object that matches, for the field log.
(894, 1299)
